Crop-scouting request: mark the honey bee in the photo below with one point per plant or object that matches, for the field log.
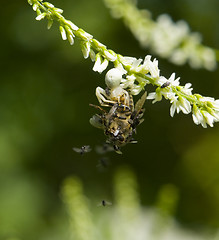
(121, 121)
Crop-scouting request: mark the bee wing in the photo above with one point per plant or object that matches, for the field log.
(138, 112)
(140, 103)
(97, 121)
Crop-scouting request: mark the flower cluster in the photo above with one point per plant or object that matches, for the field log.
(165, 38)
(137, 72)
(205, 110)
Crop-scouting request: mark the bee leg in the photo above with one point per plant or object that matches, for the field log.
(97, 107)
(117, 149)
(133, 141)
(127, 98)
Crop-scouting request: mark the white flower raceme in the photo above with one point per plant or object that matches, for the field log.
(208, 113)
(171, 35)
(134, 74)
(172, 40)
(146, 67)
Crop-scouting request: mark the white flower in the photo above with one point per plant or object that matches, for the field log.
(85, 48)
(98, 44)
(215, 104)
(111, 57)
(58, 10)
(174, 107)
(30, 2)
(166, 91)
(173, 81)
(208, 114)
(198, 117)
(211, 102)
(100, 66)
(131, 61)
(128, 82)
(180, 104)
(187, 89)
(209, 56)
(166, 35)
(152, 67)
(151, 95)
(209, 118)
(35, 7)
(50, 23)
(185, 105)
(63, 32)
(70, 35)
(136, 89)
(178, 56)
(121, 68)
(41, 16)
(104, 65)
(84, 35)
(71, 25)
(161, 80)
(70, 39)
(49, 5)
(157, 96)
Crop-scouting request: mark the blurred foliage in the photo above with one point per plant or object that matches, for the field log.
(125, 218)
(45, 90)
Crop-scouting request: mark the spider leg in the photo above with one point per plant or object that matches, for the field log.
(102, 97)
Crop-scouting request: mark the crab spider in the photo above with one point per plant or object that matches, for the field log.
(114, 92)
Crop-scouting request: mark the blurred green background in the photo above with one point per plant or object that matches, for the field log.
(45, 90)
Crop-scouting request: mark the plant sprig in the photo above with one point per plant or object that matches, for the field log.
(179, 44)
(138, 72)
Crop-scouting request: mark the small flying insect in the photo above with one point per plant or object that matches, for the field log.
(104, 148)
(104, 203)
(84, 149)
(103, 163)
(166, 84)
